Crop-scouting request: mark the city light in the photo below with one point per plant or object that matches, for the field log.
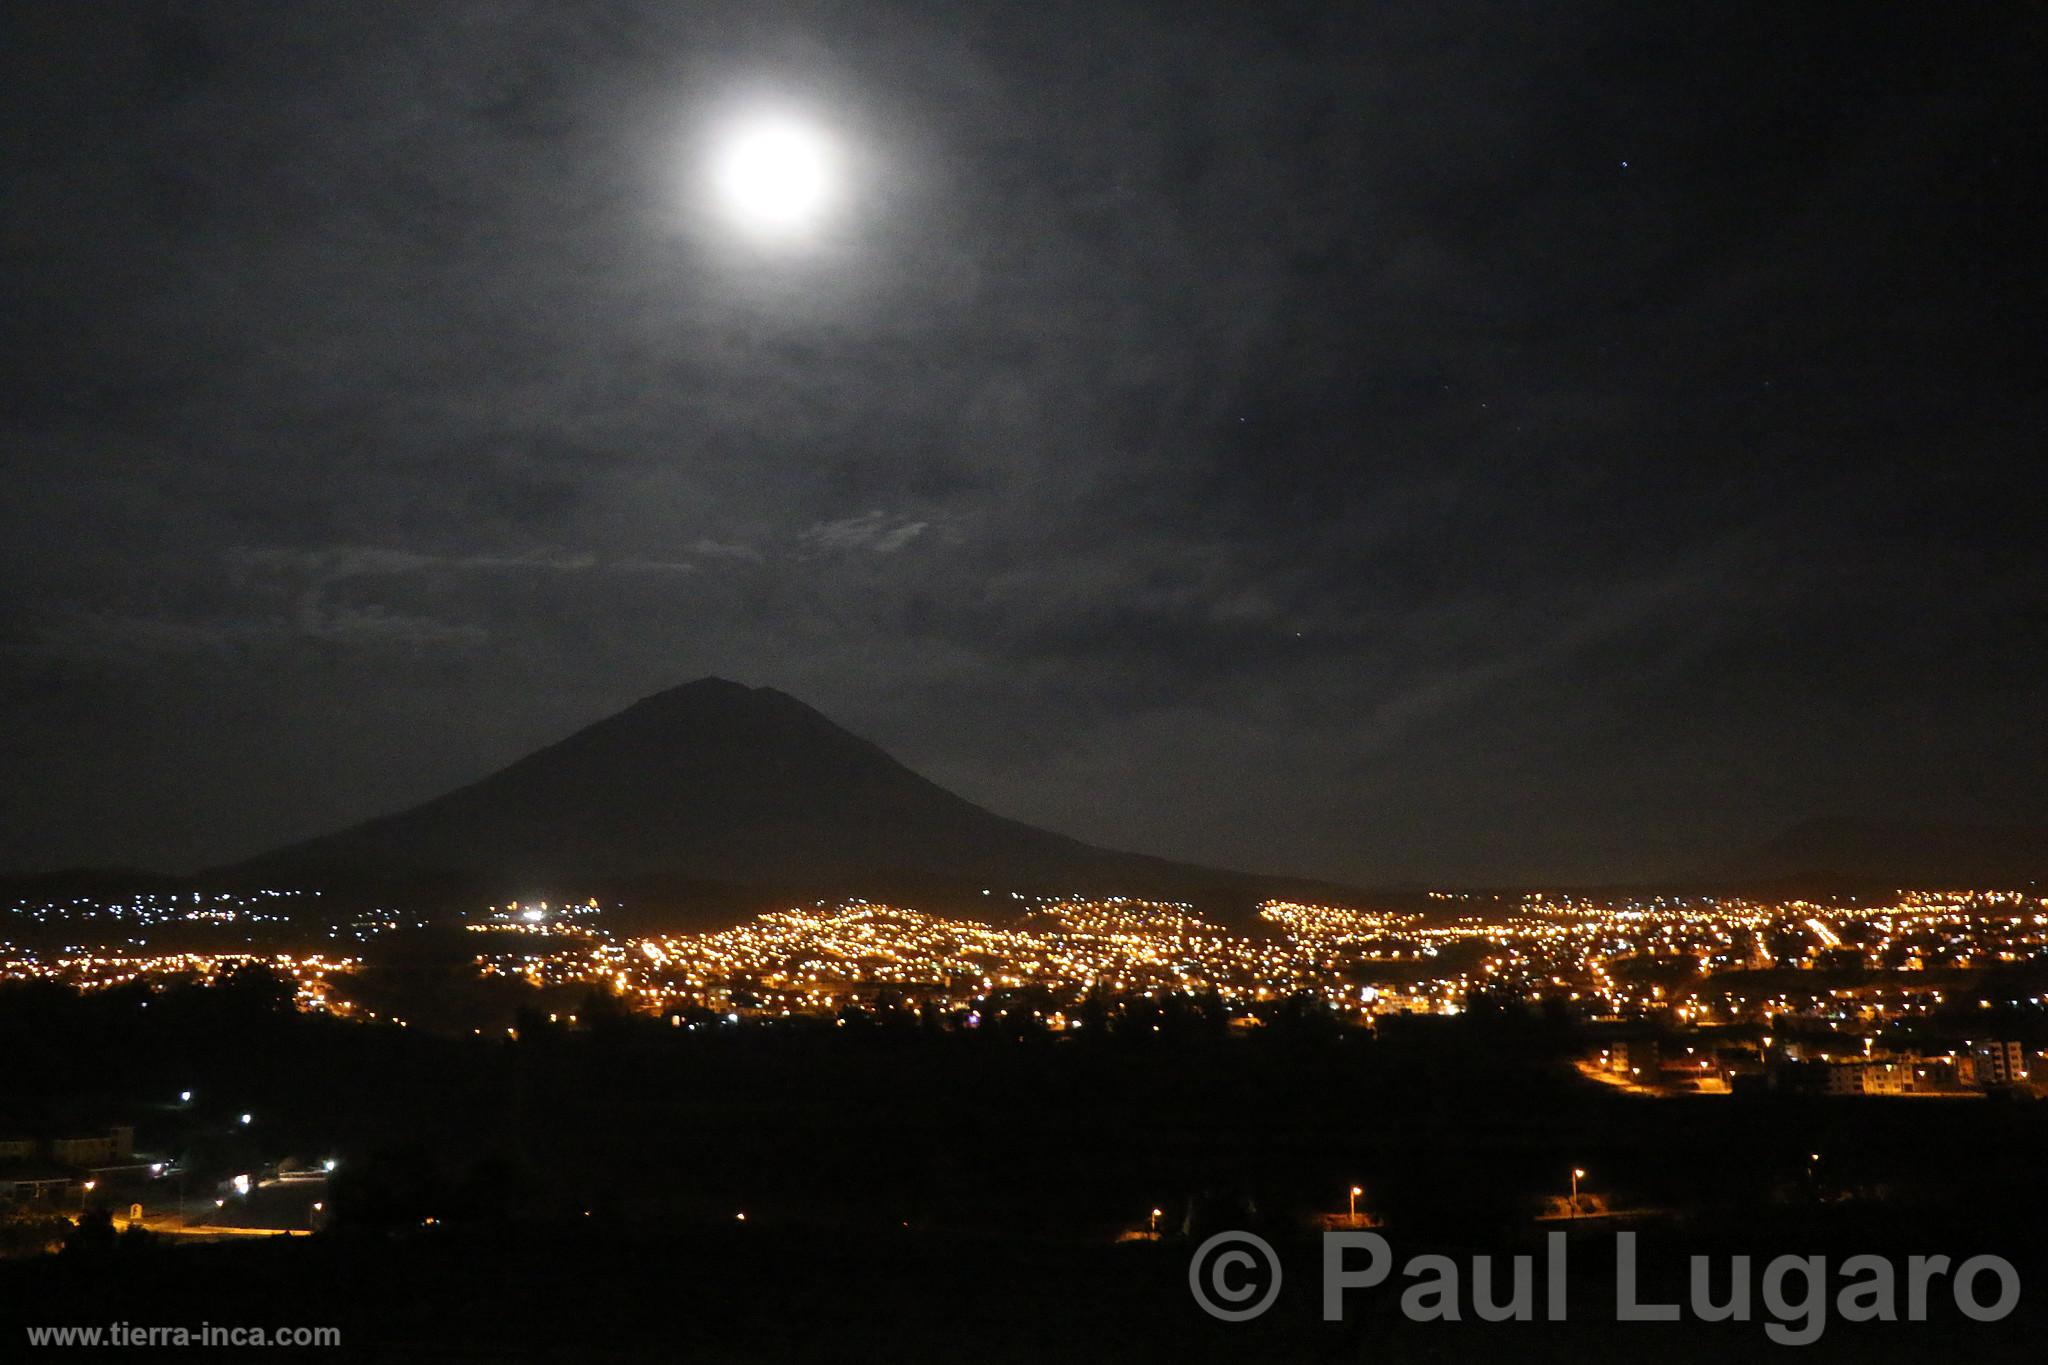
(1754, 987)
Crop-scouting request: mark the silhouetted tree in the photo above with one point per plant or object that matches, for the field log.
(254, 989)
(93, 1236)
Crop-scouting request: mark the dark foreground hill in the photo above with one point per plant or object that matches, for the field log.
(714, 787)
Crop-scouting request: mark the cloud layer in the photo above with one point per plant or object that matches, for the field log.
(1406, 441)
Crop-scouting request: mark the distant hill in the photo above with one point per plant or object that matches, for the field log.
(1899, 853)
(90, 883)
(712, 790)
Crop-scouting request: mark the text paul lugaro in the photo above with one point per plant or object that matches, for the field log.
(1796, 1293)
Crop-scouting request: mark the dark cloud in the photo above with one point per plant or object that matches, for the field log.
(1379, 441)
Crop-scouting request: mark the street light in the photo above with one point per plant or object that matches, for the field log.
(1356, 1190)
(1155, 1221)
(1578, 1174)
(248, 1119)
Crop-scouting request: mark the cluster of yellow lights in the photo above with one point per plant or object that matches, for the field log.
(1700, 959)
(1697, 960)
(92, 971)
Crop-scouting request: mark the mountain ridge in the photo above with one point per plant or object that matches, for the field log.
(714, 783)
(1921, 853)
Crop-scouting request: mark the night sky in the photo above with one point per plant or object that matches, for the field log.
(1374, 441)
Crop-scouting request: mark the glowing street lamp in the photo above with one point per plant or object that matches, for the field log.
(1155, 1221)
(1356, 1190)
(1578, 1174)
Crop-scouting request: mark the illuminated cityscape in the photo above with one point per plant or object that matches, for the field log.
(1134, 682)
(1871, 996)
(1688, 961)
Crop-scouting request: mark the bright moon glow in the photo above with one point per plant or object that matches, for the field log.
(774, 177)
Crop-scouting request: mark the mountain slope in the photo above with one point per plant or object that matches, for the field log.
(1901, 853)
(714, 782)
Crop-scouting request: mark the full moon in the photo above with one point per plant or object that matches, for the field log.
(775, 178)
